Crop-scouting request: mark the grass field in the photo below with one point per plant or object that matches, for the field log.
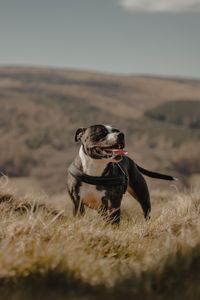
(47, 253)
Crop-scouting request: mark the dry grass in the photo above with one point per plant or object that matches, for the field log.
(154, 259)
(47, 254)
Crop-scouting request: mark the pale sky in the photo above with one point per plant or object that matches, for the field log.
(158, 37)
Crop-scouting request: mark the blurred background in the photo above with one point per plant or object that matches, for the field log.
(70, 64)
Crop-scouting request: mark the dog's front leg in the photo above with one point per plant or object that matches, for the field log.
(78, 208)
(114, 215)
(110, 212)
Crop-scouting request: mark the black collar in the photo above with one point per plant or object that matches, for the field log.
(110, 180)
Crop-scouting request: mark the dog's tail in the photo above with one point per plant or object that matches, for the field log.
(155, 175)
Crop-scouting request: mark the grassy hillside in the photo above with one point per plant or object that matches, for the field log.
(42, 108)
(46, 253)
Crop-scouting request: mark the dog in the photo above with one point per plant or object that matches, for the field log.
(102, 173)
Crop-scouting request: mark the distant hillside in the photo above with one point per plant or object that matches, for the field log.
(42, 108)
(184, 112)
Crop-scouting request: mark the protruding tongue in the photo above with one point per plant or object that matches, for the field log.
(119, 151)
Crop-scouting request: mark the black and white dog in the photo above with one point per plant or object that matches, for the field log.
(102, 172)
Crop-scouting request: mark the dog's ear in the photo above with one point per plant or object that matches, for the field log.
(79, 134)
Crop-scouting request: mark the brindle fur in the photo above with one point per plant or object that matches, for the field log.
(111, 201)
(94, 161)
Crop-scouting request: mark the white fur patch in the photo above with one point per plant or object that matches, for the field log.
(109, 128)
(111, 136)
(89, 195)
(93, 167)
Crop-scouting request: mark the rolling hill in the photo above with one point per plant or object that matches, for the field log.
(47, 253)
(41, 108)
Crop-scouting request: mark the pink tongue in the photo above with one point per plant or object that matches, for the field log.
(119, 151)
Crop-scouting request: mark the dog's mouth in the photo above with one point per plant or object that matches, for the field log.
(114, 152)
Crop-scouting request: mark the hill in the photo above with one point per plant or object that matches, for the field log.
(45, 253)
(184, 112)
(42, 108)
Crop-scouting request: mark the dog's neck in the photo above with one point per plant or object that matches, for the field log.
(92, 167)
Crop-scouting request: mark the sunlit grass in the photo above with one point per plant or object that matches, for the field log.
(37, 237)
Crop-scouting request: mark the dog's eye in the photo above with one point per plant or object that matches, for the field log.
(105, 132)
(102, 134)
(99, 135)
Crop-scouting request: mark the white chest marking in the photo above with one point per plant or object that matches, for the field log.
(89, 195)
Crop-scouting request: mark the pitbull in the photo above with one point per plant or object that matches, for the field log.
(102, 173)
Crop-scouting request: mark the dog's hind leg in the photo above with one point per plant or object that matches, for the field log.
(138, 188)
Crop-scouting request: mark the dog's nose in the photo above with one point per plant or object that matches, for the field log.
(120, 138)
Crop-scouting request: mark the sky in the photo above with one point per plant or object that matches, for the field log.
(152, 37)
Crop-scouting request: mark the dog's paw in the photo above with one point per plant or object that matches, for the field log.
(147, 214)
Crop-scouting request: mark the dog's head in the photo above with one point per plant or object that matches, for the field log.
(102, 142)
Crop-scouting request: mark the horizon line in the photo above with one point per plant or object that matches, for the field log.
(101, 72)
